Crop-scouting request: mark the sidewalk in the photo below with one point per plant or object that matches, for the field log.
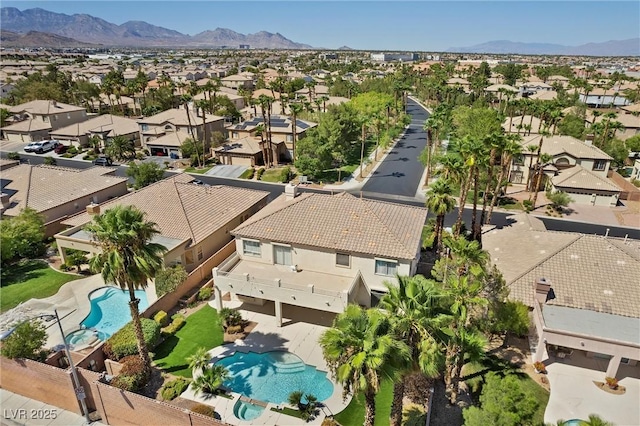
(20, 410)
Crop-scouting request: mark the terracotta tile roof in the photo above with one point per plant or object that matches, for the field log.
(577, 177)
(107, 123)
(248, 145)
(170, 139)
(31, 125)
(556, 145)
(178, 117)
(183, 210)
(45, 187)
(586, 271)
(632, 108)
(44, 108)
(342, 223)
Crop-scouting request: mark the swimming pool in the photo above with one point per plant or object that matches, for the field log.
(247, 411)
(110, 310)
(272, 376)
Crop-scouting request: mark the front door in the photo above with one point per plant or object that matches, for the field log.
(282, 255)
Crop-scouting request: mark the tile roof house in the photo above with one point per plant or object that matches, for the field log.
(322, 251)
(281, 130)
(583, 288)
(247, 151)
(57, 192)
(34, 120)
(194, 220)
(586, 187)
(177, 120)
(105, 127)
(566, 152)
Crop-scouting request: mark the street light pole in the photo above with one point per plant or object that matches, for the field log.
(79, 390)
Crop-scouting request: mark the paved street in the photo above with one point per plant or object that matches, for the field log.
(400, 172)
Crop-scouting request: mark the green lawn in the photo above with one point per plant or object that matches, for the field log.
(473, 375)
(272, 175)
(203, 329)
(353, 415)
(30, 279)
(197, 170)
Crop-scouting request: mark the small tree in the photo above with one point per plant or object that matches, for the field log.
(199, 360)
(306, 404)
(144, 174)
(559, 199)
(503, 402)
(210, 380)
(26, 341)
(168, 279)
(76, 258)
(120, 148)
(509, 317)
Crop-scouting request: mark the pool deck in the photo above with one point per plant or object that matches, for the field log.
(297, 337)
(72, 303)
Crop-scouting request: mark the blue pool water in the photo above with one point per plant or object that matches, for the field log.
(573, 422)
(272, 376)
(110, 310)
(247, 411)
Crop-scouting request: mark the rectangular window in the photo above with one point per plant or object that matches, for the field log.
(599, 165)
(199, 251)
(386, 267)
(251, 248)
(518, 160)
(282, 255)
(289, 138)
(234, 135)
(343, 259)
(55, 117)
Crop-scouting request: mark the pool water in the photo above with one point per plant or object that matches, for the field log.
(247, 411)
(272, 376)
(110, 310)
(84, 337)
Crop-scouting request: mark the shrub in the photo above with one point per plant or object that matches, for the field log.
(260, 173)
(509, 317)
(174, 388)
(133, 367)
(124, 343)
(205, 293)
(72, 150)
(161, 318)
(286, 173)
(26, 341)
(528, 205)
(329, 422)
(64, 267)
(50, 161)
(124, 382)
(247, 174)
(168, 279)
(231, 317)
(539, 366)
(177, 323)
(13, 156)
(234, 329)
(205, 410)
(141, 156)
(612, 382)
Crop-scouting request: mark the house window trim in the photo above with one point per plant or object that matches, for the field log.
(199, 253)
(273, 252)
(375, 269)
(245, 253)
(599, 169)
(348, 265)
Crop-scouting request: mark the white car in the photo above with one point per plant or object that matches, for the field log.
(41, 147)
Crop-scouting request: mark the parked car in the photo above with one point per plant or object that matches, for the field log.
(30, 147)
(43, 146)
(60, 148)
(103, 161)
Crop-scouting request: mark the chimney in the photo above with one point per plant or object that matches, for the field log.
(6, 201)
(588, 140)
(290, 191)
(542, 288)
(93, 209)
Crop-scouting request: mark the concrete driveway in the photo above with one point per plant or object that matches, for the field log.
(575, 396)
(222, 170)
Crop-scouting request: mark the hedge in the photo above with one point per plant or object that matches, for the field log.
(174, 388)
(178, 322)
(124, 343)
(161, 318)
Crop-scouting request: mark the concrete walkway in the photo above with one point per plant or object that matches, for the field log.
(575, 396)
(20, 410)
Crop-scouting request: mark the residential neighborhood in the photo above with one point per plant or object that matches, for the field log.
(230, 229)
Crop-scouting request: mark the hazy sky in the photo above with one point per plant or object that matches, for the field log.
(393, 25)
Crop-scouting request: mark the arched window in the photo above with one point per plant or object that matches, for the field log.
(562, 162)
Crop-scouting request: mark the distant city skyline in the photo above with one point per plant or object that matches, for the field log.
(378, 25)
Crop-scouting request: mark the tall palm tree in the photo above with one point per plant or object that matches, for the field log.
(295, 109)
(127, 257)
(413, 306)
(531, 149)
(265, 107)
(543, 159)
(361, 350)
(511, 149)
(440, 202)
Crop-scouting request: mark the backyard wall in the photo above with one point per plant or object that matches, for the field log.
(122, 408)
(43, 382)
(197, 276)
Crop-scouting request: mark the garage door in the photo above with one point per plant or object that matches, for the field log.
(241, 161)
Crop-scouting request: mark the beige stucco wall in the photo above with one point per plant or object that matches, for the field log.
(324, 261)
(65, 119)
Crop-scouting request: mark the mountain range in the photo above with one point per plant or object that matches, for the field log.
(630, 47)
(89, 29)
(39, 39)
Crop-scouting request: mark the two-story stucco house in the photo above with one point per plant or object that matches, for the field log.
(321, 252)
(32, 121)
(194, 220)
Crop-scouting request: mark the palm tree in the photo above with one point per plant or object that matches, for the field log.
(531, 149)
(210, 380)
(361, 350)
(127, 257)
(413, 306)
(595, 420)
(543, 159)
(295, 109)
(440, 202)
(120, 148)
(509, 151)
(199, 360)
